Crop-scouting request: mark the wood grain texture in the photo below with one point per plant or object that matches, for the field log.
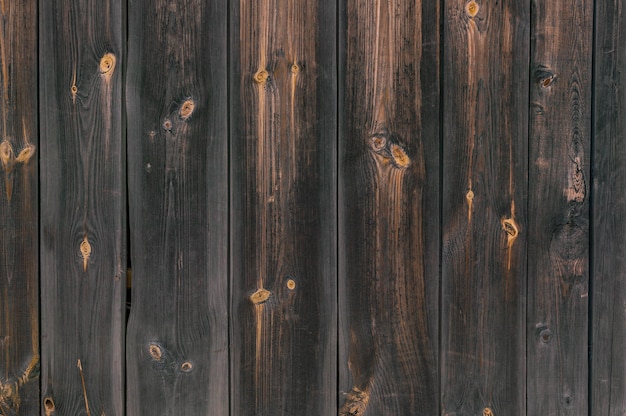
(177, 350)
(608, 370)
(560, 126)
(283, 174)
(82, 207)
(389, 208)
(19, 322)
(485, 125)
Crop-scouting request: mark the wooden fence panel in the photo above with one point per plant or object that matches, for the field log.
(283, 250)
(178, 192)
(558, 232)
(389, 207)
(19, 322)
(608, 371)
(82, 207)
(485, 125)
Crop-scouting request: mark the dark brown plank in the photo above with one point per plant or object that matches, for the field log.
(82, 207)
(19, 260)
(283, 277)
(485, 80)
(608, 370)
(558, 232)
(178, 186)
(389, 208)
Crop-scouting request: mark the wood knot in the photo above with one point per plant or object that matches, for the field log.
(510, 227)
(85, 251)
(6, 155)
(378, 143)
(155, 352)
(291, 284)
(487, 412)
(186, 366)
(167, 124)
(27, 152)
(48, 405)
(107, 64)
(74, 91)
(261, 76)
(187, 109)
(260, 296)
(356, 403)
(400, 158)
(295, 68)
(472, 8)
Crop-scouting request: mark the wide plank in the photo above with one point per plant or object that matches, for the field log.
(608, 324)
(389, 207)
(81, 50)
(19, 242)
(177, 350)
(485, 129)
(559, 187)
(283, 195)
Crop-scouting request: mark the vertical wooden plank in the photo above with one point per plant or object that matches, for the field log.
(608, 370)
(19, 325)
(485, 82)
(389, 208)
(82, 207)
(178, 186)
(560, 126)
(283, 278)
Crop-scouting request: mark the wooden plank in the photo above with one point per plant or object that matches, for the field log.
(484, 196)
(283, 264)
(82, 207)
(389, 208)
(177, 351)
(19, 325)
(558, 233)
(608, 370)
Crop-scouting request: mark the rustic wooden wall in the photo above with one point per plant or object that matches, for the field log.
(362, 208)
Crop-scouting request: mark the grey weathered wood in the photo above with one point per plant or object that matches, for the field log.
(81, 49)
(283, 174)
(177, 350)
(608, 370)
(558, 233)
(19, 260)
(389, 208)
(485, 126)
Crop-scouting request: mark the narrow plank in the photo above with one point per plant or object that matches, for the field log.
(177, 350)
(19, 260)
(389, 208)
(558, 233)
(82, 207)
(485, 128)
(608, 370)
(283, 264)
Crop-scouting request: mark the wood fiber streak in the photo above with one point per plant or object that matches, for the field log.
(560, 126)
(485, 127)
(177, 350)
(389, 208)
(82, 207)
(19, 311)
(283, 266)
(608, 371)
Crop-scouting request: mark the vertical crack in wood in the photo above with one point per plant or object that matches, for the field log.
(82, 379)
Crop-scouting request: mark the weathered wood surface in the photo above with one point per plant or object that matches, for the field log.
(558, 232)
(19, 313)
(82, 207)
(177, 350)
(485, 128)
(283, 175)
(389, 207)
(608, 371)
